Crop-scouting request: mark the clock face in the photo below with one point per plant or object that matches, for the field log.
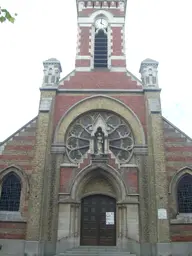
(101, 23)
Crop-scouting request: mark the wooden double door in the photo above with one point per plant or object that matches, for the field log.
(98, 220)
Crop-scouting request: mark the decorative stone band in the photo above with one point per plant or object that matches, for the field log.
(11, 216)
(182, 218)
(58, 149)
(2, 149)
(45, 104)
(101, 4)
(140, 150)
(61, 148)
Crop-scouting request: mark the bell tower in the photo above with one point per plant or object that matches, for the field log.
(101, 35)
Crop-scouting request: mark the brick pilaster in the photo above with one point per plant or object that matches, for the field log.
(157, 182)
(40, 164)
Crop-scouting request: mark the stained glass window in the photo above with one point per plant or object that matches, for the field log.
(10, 193)
(184, 194)
(120, 138)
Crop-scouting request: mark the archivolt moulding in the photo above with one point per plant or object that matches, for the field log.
(20, 173)
(107, 172)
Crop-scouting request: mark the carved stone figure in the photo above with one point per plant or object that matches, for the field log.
(99, 141)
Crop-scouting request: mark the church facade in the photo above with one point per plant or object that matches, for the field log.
(99, 165)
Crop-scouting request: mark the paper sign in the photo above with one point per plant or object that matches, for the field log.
(110, 218)
(162, 214)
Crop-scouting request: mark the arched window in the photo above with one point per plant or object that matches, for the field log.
(184, 194)
(10, 193)
(101, 49)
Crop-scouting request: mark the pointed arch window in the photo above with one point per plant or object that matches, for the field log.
(101, 49)
(10, 193)
(184, 194)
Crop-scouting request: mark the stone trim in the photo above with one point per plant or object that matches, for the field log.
(140, 150)
(11, 216)
(182, 218)
(108, 91)
(83, 69)
(120, 57)
(82, 57)
(58, 148)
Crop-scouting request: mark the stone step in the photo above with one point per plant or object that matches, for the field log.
(95, 254)
(98, 248)
(96, 251)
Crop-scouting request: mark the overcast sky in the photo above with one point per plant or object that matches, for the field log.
(157, 29)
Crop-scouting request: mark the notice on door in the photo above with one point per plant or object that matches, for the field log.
(110, 218)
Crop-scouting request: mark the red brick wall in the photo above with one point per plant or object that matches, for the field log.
(115, 12)
(178, 153)
(18, 151)
(10, 230)
(100, 80)
(117, 41)
(118, 63)
(64, 102)
(82, 63)
(65, 179)
(181, 233)
(137, 104)
(130, 176)
(84, 41)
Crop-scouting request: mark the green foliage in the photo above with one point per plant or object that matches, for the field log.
(5, 15)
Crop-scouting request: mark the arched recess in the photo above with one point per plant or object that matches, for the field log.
(24, 182)
(100, 102)
(90, 177)
(184, 194)
(10, 193)
(173, 186)
(176, 178)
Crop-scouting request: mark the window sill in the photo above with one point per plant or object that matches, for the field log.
(11, 216)
(182, 218)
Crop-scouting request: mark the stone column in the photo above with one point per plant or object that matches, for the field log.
(121, 225)
(158, 187)
(68, 226)
(38, 189)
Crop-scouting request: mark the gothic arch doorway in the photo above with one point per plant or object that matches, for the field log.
(98, 220)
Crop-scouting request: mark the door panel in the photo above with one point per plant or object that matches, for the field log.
(94, 230)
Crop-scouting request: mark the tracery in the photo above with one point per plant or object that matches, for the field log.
(119, 136)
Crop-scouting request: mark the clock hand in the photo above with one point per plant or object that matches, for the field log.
(101, 22)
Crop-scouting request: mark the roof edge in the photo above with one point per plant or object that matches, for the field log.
(7, 139)
(65, 77)
(176, 128)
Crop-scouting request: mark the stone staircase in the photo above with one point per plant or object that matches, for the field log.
(96, 251)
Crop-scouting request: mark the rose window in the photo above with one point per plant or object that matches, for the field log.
(119, 137)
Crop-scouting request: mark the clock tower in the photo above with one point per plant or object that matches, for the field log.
(101, 35)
